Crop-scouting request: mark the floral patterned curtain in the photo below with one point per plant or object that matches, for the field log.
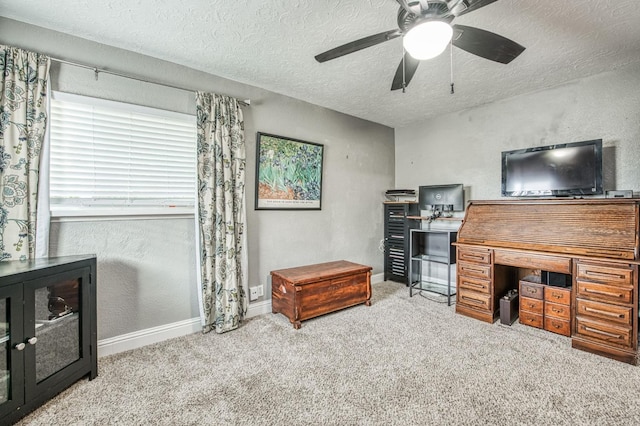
(221, 212)
(23, 120)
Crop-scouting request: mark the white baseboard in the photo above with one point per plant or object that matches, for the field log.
(138, 339)
(259, 308)
(141, 338)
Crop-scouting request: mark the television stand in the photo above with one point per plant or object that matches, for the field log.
(432, 248)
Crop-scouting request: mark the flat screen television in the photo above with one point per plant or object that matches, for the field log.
(570, 169)
(441, 197)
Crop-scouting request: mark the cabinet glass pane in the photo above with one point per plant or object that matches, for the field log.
(5, 350)
(57, 327)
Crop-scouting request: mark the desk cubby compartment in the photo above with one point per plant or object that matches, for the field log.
(432, 256)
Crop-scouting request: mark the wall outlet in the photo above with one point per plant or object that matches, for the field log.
(255, 292)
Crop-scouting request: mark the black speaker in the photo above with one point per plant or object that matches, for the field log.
(555, 279)
(509, 307)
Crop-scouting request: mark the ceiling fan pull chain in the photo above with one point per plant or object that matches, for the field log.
(451, 63)
(404, 73)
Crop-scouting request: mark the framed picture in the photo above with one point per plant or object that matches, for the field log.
(288, 173)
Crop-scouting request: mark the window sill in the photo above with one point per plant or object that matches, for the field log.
(91, 214)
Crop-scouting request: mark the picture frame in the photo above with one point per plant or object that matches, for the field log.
(288, 173)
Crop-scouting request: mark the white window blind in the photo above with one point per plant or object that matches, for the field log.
(106, 153)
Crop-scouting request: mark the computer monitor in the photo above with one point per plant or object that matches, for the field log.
(444, 198)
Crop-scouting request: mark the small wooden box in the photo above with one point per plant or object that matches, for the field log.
(309, 291)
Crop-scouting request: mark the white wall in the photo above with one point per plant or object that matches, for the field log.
(465, 147)
(146, 267)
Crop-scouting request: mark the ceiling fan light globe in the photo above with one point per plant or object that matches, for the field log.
(427, 39)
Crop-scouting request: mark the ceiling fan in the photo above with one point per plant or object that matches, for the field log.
(426, 31)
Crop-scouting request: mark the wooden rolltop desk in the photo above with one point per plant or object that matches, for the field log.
(593, 241)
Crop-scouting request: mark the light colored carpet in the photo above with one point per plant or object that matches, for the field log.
(404, 361)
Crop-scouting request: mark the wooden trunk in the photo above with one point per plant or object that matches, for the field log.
(313, 290)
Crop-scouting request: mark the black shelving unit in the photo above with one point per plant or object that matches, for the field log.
(396, 237)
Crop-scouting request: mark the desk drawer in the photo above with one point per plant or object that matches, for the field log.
(604, 293)
(557, 310)
(558, 326)
(474, 270)
(613, 313)
(535, 306)
(607, 333)
(531, 319)
(533, 261)
(532, 290)
(474, 284)
(557, 295)
(474, 299)
(605, 274)
(476, 256)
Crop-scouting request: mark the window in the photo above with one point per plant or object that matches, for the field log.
(113, 156)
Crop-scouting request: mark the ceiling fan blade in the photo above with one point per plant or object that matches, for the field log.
(466, 6)
(410, 67)
(485, 44)
(360, 44)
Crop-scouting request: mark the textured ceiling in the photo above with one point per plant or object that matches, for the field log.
(271, 44)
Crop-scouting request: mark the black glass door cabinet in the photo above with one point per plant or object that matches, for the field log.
(47, 324)
(11, 367)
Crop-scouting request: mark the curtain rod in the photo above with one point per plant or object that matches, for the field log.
(96, 70)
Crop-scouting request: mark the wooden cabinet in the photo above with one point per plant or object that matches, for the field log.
(48, 330)
(595, 241)
(606, 297)
(396, 239)
(309, 291)
(474, 281)
(546, 307)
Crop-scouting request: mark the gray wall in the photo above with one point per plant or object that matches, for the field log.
(146, 267)
(465, 147)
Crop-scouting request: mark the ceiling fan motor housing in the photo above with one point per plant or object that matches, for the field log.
(436, 10)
